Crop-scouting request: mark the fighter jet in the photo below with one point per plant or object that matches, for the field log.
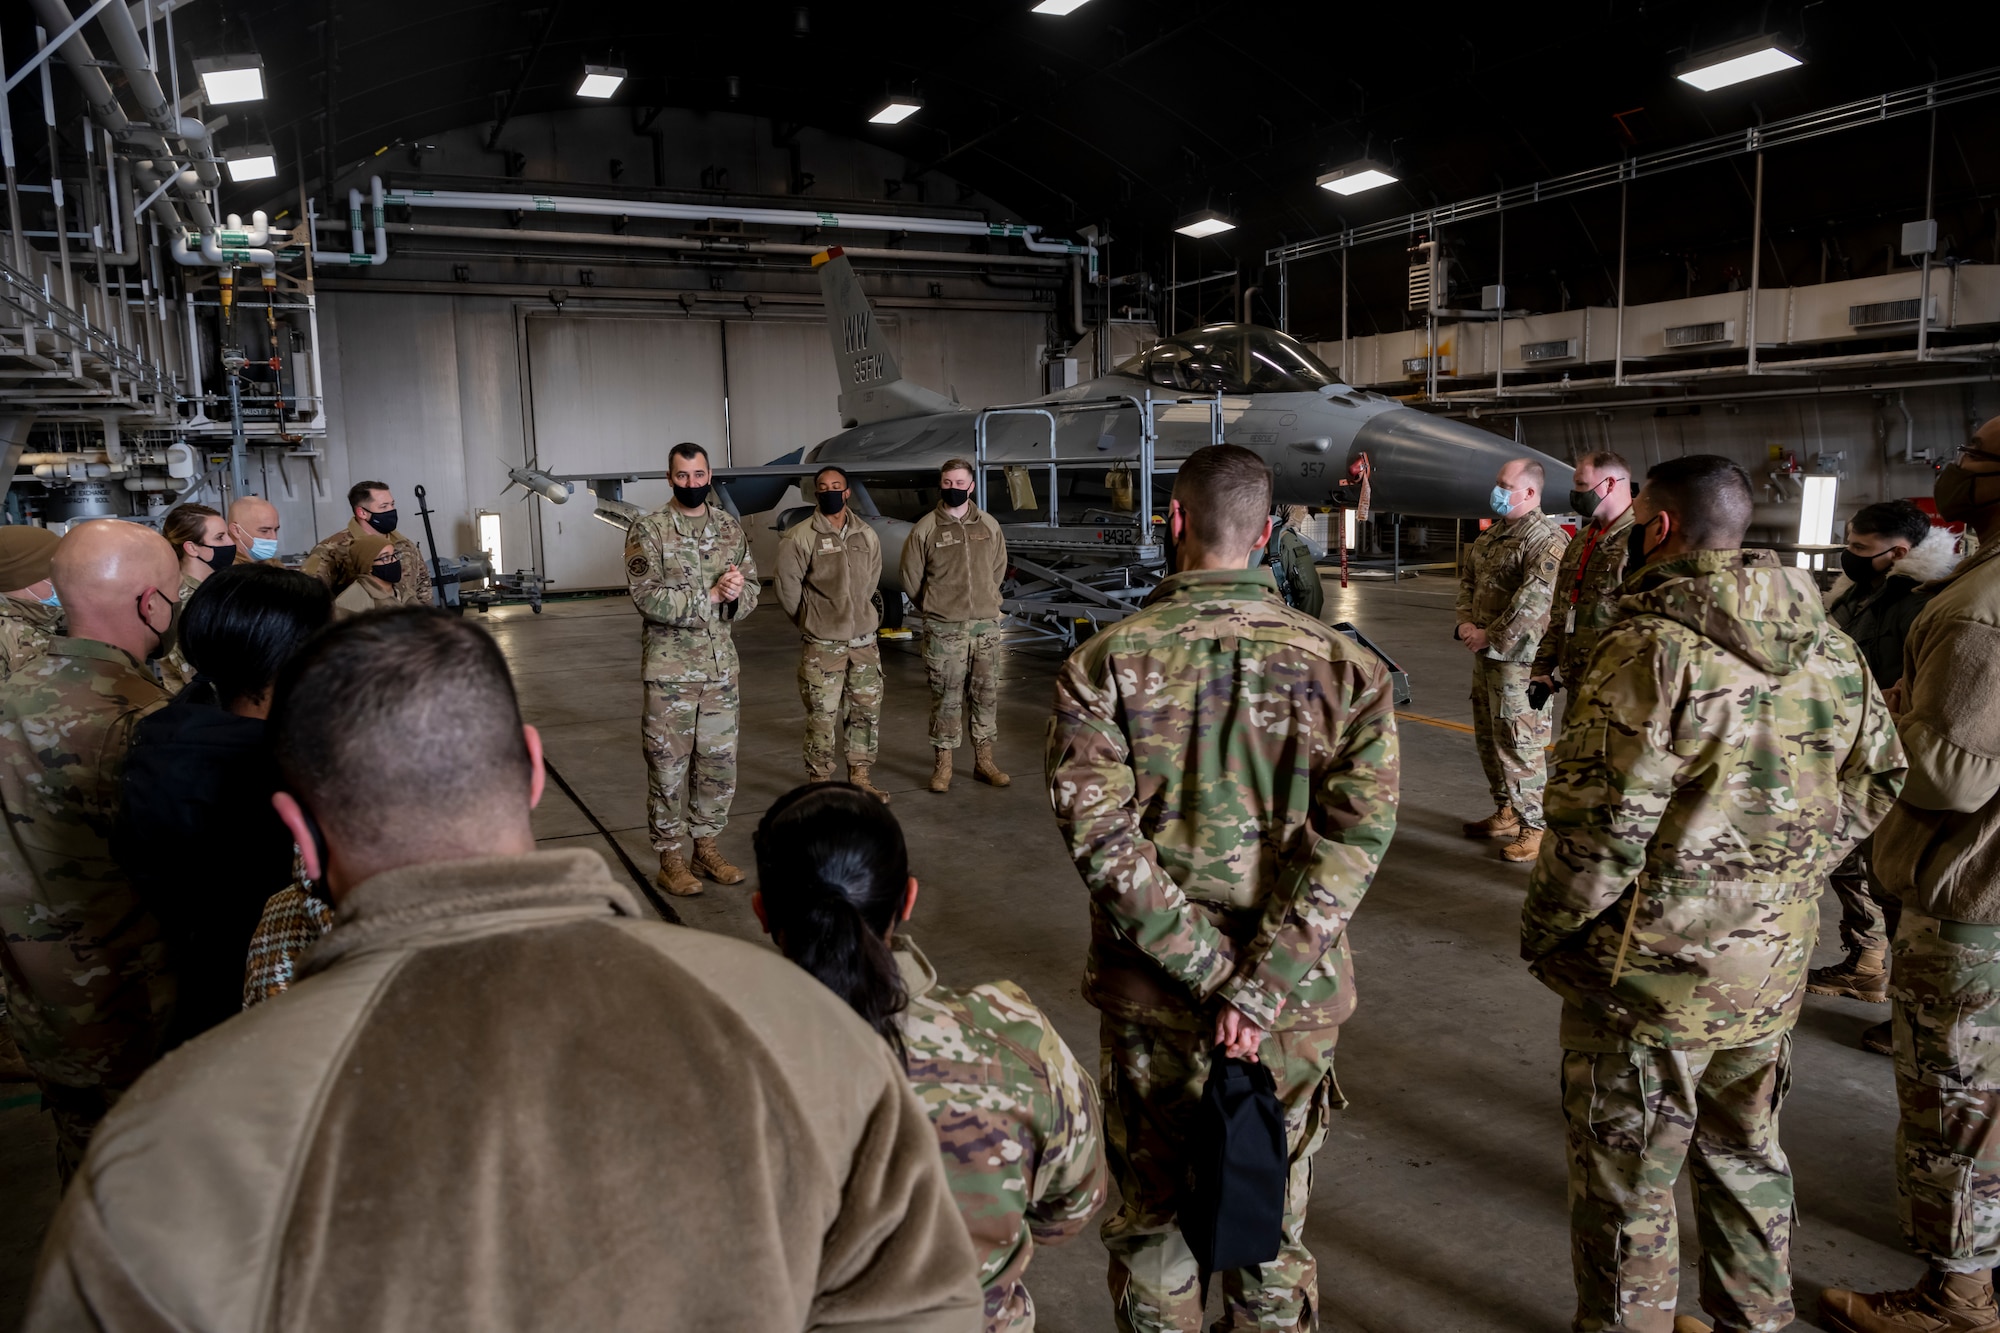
(1078, 478)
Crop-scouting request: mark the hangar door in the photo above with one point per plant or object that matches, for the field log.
(611, 393)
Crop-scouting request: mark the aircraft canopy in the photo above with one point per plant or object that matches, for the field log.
(1234, 358)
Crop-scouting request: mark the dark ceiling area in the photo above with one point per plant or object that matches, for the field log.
(1129, 114)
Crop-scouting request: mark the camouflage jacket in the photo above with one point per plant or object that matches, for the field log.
(1722, 753)
(85, 968)
(1586, 600)
(1506, 582)
(671, 561)
(1291, 562)
(1015, 1113)
(327, 562)
(174, 668)
(25, 629)
(1224, 769)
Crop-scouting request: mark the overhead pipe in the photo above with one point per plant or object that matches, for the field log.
(130, 51)
(355, 255)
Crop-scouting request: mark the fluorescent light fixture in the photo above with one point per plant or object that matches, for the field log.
(1356, 177)
(231, 78)
(1349, 526)
(1060, 7)
(1208, 222)
(1752, 59)
(600, 81)
(254, 163)
(489, 539)
(896, 110)
(1816, 518)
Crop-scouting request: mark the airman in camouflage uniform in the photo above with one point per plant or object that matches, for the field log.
(174, 668)
(953, 562)
(1016, 1117)
(1292, 564)
(672, 561)
(328, 561)
(1724, 748)
(828, 570)
(88, 992)
(1505, 585)
(1592, 570)
(1226, 833)
(27, 622)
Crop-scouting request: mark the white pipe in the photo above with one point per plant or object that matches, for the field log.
(776, 217)
(150, 484)
(1909, 429)
(356, 255)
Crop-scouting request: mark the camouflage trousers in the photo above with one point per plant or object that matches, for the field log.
(1944, 978)
(1511, 736)
(1635, 1115)
(1866, 921)
(689, 732)
(841, 683)
(961, 657)
(1152, 1083)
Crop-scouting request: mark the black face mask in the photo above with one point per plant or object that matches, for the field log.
(1859, 568)
(1584, 502)
(831, 502)
(953, 497)
(1635, 550)
(391, 573)
(688, 497)
(384, 522)
(219, 557)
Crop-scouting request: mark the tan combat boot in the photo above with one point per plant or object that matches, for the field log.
(858, 775)
(1502, 823)
(986, 770)
(1525, 847)
(1880, 1039)
(710, 861)
(1687, 1323)
(941, 770)
(1863, 975)
(1941, 1303)
(675, 877)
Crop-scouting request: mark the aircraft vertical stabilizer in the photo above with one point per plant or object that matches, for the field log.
(872, 387)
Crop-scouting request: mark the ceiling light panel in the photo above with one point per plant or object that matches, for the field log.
(1205, 224)
(1736, 64)
(226, 79)
(1356, 177)
(896, 111)
(256, 164)
(1060, 7)
(600, 81)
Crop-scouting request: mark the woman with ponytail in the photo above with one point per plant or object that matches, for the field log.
(834, 888)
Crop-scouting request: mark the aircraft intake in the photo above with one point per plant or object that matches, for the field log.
(1438, 468)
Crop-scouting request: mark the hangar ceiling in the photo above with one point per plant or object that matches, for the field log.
(1127, 114)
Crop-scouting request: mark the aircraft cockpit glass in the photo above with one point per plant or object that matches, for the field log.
(1231, 358)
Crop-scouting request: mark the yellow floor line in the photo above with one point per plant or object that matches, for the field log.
(1433, 721)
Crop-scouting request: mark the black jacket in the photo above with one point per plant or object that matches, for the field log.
(203, 847)
(1878, 619)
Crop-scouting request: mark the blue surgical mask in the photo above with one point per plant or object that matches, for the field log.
(52, 599)
(1501, 501)
(263, 548)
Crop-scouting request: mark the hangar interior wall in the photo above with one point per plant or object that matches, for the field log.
(447, 392)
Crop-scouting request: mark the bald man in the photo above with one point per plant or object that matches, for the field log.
(88, 991)
(253, 526)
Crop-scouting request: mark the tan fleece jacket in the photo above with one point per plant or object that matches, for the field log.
(827, 577)
(1939, 849)
(499, 1098)
(952, 567)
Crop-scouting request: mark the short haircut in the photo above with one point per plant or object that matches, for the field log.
(245, 622)
(1898, 520)
(185, 523)
(401, 727)
(361, 490)
(1225, 494)
(956, 465)
(1709, 497)
(1533, 473)
(686, 449)
(838, 472)
(1604, 460)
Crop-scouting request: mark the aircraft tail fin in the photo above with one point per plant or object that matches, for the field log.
(872, 387)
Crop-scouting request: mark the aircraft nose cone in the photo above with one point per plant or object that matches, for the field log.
(1433, 466)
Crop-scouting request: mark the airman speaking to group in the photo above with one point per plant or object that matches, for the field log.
(1505, 586)
(953, 562)
(1724, 748)
(828, 570)
(690, 572)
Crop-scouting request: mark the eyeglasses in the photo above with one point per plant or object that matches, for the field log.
(1974, 451)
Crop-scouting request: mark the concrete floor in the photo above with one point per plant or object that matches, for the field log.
(1439, 1197)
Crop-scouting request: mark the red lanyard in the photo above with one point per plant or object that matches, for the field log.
(1576, 585)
